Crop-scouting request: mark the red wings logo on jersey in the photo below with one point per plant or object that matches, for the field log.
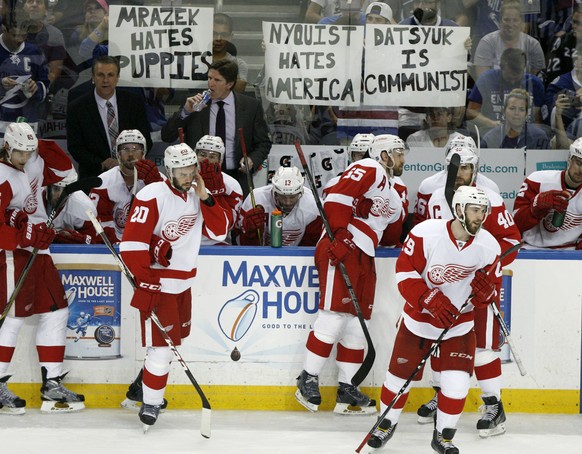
(175, 229)
(440, 274)
(382, 207)
(30, 202)
(120, 215)
(571, 221)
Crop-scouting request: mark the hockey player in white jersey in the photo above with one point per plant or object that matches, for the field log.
(487, 362)
(71, 223)
(25, 167)
(443, 263)
(179, 211)
(301, 221)
(226, 189)
(432, 183)
(357, 229)
(548, 195)
(113, 198)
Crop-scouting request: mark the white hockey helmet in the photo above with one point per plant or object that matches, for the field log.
(576, 148)
(388, 143)
(211, 143)
(459, 140)
(71, 177)
(21, 137)
(288, 181)
(131, 136)
(361, 143)
(469, 195)
(178, 156)
(467, 156)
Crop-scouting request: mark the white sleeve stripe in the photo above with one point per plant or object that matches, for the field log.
(340, 198)
(125, 246)
(402, 276)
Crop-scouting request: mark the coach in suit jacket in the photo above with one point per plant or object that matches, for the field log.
(240, 112)
(88, 138)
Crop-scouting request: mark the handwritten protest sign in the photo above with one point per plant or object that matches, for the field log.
(415, 66)
(313, 64)
(161, 46)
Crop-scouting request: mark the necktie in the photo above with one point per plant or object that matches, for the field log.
(220, 129)
(112, 127)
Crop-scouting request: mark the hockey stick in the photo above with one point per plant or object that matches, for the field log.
(206, 418)
(243, 146)
(432, 349)
(371, 355)
(452, 172)
(80, 185)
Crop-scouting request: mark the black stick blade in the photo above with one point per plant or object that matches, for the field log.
(86, 184)
(452, 171)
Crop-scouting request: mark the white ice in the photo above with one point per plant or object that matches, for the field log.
(98, 431)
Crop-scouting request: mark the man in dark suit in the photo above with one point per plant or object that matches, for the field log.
(95, 119)
(238, 111)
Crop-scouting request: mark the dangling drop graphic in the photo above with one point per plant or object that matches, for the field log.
(235, 354)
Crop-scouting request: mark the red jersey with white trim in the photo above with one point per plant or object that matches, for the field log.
(499, 222)
(113, 200)
(402, 191)
(429, 185)
(432, 258)
(301, 227)
(365, 178)
(541, 233)
(179, 218)
(24, 189)
(231, 199)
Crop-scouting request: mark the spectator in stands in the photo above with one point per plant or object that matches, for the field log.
(563, 50)
(95, 119)
(438, 131)
(301, 221)
(23, 72)
(379, 13)
(222, 37)
(114, 197)
(568, 84)
(228, 112)
(486, 100)
(318, 9)
(68, 14)
(545, 193)
(510, 35)
(94, 32)
(350, 13)
(514, 131)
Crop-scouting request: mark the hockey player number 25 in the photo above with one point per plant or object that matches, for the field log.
(140, 215)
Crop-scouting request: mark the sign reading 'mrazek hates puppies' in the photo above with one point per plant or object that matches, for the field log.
(161, 46)
(415, 66)
(313, 64)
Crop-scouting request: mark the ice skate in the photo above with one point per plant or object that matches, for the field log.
(148, 415)
(134, 395)
(307, 393)
(351, 401)
(58, 399)
(426, 412)
(10, 403)
(442, 442)
(492, 421)
(382, 434)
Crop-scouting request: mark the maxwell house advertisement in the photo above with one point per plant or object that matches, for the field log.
(261, 310)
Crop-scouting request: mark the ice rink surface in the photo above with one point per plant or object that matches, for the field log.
(110, 431)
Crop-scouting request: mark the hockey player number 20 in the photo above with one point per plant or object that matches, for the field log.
(140, 215)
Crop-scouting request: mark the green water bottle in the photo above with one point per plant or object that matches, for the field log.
(276, 228)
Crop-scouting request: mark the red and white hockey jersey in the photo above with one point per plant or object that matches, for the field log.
(73, 215)
(429, 185)
(432, 258)
(301, 227)
(179, 218)
(231, 199)
(499, 223)
(365, 178)
(541, 233)
(24, 190)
